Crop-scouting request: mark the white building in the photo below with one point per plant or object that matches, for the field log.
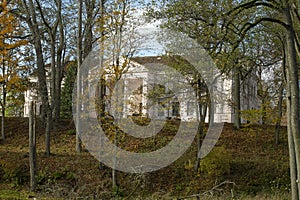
(149, 88)
(30, 95)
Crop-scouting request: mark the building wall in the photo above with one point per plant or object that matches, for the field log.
(249, 97)
(136, 85)
(31, 94)
(223, 109)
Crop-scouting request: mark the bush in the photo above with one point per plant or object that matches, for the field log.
(216, 163)
(15, 173)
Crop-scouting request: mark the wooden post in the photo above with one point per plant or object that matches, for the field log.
(32, 146)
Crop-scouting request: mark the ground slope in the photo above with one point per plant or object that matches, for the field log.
(245, 161)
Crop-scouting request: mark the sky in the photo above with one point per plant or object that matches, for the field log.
(149, 32)
(150, 45)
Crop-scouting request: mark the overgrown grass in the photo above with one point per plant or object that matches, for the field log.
(261, 196)
(257, 167)
(15, 194)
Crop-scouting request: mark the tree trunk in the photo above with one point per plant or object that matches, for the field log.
(82, 53)
(279, 105)
(102, 86)
(211, 107)
(293, 103)
(53, 93)
(43, 91)
(59, 61)
(3, 114)
(263, 110)
(79, 61)
(292, 156)
(88, 39)
(3, 124)
(48, 130)
(100, 109)
(200, 135)
(32, 147)
(114, 172)
(202, 110)
(237, 97)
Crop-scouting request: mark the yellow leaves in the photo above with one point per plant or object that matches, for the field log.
(9, 27)
(189, 165)
(116, 12)
(2, 79)
(16, 83)
(6, 18)
(9, 62)
(253, 116)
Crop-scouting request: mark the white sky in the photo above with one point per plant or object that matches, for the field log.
(149, 32)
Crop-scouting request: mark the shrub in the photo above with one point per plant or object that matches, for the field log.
(13, 172)
(216, 163)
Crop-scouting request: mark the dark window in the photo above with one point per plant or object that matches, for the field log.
(175, 109)
(161, 108)
(140, 109)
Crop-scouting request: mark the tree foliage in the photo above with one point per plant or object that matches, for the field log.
(67, 91)
(12, 72)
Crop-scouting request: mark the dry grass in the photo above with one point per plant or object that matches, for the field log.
(256, 166)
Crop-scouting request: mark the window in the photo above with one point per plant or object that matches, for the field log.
(161, 108)
(222, 108)
(175, 109)
(140, 109)
(140, 89)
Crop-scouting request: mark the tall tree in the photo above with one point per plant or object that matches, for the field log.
(117, 28)
(28, 13)
(206, 23)
(86, 37)
(285, 15)
(79, 84)
(50, 34)
(209, 25)
(11, 79)
(56, 33)
(293, 97)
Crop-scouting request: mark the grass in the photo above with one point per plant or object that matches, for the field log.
(22, 195)
(8, 194)
(258, 168)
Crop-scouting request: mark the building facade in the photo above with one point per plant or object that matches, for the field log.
(149, 88)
